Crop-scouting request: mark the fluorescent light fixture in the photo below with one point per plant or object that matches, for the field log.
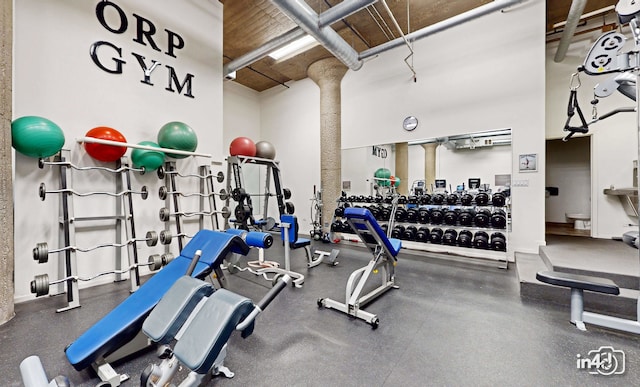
(297, 46)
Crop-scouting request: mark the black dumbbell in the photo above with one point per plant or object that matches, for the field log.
(482, 218)
(449, 237)
(410, 233)
(425, 199)
(375, 211)
(370, 199)
(401, 214)
(412, 199)
(436, 216)
(450, 217)
(384, 227)
(465, 238)
(498, 199)
(397, 232)
(385, 214)
(436, 235)
(402, 199)
(498, 241)
(423, 234)
(412, 215)
(481, 240)
(452, 199)
(336, 226)
(437, 199)
(465, 218)
(339, 212)
(378, 199)
(499, 219)
(423, 216)
(466, 199)
(482, 199)
(346, 228)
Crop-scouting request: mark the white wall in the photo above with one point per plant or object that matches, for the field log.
(241, 114)
(290, 120)
(54, 77)
(614, 143)
(486, 74)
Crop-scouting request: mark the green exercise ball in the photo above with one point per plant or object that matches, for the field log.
(148, 159)
(36, 136)
(383, 174)
(177, 135)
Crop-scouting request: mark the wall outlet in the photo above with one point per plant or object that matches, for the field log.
(520, 183)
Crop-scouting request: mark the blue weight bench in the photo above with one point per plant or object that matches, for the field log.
(201, 322)
(289, 229)
(118, 333)
(385, 252)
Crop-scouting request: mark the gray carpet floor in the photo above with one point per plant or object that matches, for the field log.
(449, 324)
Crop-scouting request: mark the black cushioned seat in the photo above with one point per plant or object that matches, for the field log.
(577, 281)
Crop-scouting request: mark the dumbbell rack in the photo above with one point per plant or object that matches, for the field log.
(67, 221)
(499, 256)
(234, 169)
(206, 194)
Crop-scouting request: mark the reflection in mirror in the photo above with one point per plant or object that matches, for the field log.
(455, 159)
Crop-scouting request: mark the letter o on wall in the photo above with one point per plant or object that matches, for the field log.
(100, 13)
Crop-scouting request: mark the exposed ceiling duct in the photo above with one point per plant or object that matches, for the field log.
(318, 27)
(304, 16)
(575, 12)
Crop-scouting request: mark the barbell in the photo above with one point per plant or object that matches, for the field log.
(43, 162)
(157, 261)
(41, 284)
(166, 236)
(41, 251)
(42, 192)
(94, 140)
(165, 213)
(162, 173)
(163, 192)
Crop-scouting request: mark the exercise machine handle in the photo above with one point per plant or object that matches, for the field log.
(264, 302)
(194, 262)
(275, 290)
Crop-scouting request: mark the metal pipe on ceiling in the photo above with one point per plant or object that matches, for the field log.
(402, 35)
(262, 51)
(577, 7)
(342, 10)
(349, 7)
(303, 15)
(441, 26)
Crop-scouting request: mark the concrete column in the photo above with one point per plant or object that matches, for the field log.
(402, 167)
(429, 164)
(6, 163)
(327, 74)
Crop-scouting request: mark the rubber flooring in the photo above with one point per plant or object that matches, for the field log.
(449, 324)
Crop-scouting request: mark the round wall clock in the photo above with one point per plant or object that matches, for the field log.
(410, 123)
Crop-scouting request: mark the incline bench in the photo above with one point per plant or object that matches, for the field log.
(115, 332)
(578, 284)
(384, 250)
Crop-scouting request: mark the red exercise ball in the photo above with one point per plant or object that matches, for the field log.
(242, 146)
(101, 152)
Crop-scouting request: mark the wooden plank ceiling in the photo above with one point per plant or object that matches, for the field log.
(248, 24)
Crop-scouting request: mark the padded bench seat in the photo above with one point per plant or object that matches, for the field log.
(392, 245)
(577, 281)
(124, 322)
